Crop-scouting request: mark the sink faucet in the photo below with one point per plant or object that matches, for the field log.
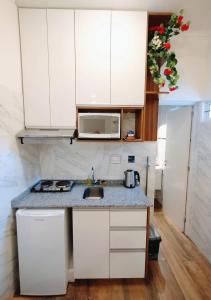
(93, 176)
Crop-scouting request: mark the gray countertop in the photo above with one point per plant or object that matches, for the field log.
(114, 196)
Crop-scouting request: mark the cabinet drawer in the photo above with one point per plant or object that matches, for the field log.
(131, 239)
(127, 264)
(128, 218)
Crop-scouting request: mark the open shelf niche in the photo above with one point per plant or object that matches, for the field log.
(132, 118)
(152, 90)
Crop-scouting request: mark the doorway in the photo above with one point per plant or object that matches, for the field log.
(174, 133)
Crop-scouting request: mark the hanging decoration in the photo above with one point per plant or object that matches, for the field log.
(159, 51)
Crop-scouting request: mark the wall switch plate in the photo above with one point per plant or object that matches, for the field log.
(115, 159)
(131, 158)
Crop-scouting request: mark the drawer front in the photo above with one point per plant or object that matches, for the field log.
(129, 239)
(127, 264)
(128, 218)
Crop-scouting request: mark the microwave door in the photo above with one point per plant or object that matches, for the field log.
(91, 126)
(115, 126)
(98, 125)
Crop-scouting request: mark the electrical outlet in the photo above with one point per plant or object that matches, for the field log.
(115, 159)
(131, 158)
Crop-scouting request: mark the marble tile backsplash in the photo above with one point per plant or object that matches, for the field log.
(19, 166)
(75, 161)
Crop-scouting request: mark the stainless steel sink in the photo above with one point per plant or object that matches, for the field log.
(93, 193)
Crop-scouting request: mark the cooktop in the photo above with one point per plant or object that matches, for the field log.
(53, 186)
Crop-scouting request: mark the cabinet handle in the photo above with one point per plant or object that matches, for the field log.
(127, 228)
(128, 209)
(125, 250)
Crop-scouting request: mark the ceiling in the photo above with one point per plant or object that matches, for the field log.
(199, 12)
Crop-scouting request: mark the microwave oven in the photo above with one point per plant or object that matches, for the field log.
(98, 125)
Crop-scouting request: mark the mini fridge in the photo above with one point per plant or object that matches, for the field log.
(42, 251)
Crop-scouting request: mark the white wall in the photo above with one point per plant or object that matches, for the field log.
(209, 66)
(198, 225)
(193, 54)
(18, 165)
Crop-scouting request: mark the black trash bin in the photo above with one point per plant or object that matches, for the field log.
(154, 243)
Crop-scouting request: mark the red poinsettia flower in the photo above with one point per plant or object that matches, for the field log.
(172, 89)
(180, 19)
(185, 27)
(167, 72)
(161, 30)
(167, 45)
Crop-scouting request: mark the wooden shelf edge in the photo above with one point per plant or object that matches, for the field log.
(132, 141)
(110, 107)
(155, 93)
(153, 13)
(110, 141)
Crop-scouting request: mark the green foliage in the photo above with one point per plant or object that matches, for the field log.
(159, 51)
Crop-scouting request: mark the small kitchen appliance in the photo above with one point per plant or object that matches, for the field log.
(53, 186)
(132, 178)
(43, 251)
(99, 125)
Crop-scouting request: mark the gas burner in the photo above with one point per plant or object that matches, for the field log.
(44, 186)
(63, 183)
(46, 183)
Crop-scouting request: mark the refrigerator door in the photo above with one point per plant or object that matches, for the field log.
(42, 251)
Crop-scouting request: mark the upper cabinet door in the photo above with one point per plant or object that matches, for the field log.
(128, 57)
(34, 48)
(62, 67)
(92, 37)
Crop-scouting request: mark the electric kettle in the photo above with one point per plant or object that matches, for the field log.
(132, 178)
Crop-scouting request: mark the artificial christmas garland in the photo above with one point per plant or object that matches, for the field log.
(159, 50)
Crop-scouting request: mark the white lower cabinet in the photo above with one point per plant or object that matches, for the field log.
(128, 239)
(109, 243)
(91, 243)
(127, 264)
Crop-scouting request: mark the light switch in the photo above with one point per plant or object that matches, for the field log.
(115, 159)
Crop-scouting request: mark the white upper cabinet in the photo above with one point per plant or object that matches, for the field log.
(34, 47)
(128, 57)
(92, 37)
(62, 67)
(82, 57)
(48, 60)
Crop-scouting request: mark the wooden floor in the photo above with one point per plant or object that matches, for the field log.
(180, 273)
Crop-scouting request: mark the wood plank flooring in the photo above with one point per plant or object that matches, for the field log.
(180, 273)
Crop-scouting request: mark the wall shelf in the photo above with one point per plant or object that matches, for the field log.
(132, 118)
(156, 93)
(152, 90)
(133, 141)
